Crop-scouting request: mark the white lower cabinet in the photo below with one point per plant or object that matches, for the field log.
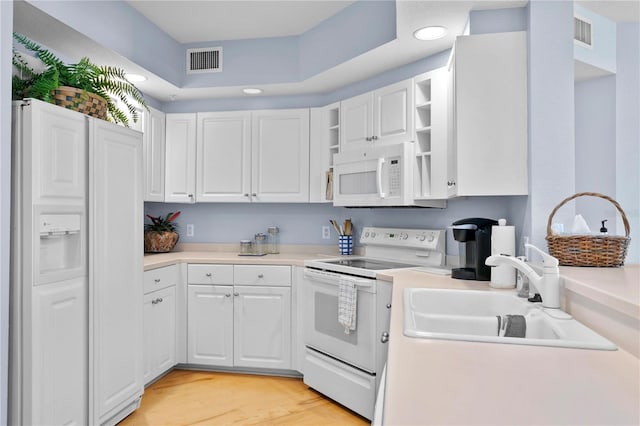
(210, 325)
(159, 332)
(245, 325)
(262, 327)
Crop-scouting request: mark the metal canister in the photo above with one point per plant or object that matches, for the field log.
(246, 247)
(260, 243)
(274, 240)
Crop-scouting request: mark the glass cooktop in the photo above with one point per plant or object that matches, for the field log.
(373, 265)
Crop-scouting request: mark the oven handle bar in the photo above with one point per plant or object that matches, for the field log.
(334, 278)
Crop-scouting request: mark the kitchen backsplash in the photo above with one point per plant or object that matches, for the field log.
(302, 223)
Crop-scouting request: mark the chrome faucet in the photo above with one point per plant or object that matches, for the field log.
(548, 285)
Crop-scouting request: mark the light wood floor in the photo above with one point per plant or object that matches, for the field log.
(207, 398)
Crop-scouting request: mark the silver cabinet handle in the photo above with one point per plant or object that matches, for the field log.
(385, 337)
(246, 195)
(451, 183)
(374, 138)
(388, 305)
(254, 195)
(157, 280)
(156, 301)
(260, 275)
(227, 295)
(368, 139)
(236, 293)
(208, 274)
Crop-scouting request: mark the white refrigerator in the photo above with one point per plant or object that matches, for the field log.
(76, 268)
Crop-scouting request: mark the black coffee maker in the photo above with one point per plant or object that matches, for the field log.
(474, 237)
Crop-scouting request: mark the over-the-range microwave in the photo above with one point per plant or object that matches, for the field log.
(377, 176)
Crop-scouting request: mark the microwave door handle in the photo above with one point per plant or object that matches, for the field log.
(379, 178)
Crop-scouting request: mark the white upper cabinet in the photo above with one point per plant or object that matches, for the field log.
(434, 171)
(180, 174)
(280, 156)
(356, 116)
(153, 143)
(324, 141)
(393, 113)
(490, 113)
(223, 156)
(384, 116)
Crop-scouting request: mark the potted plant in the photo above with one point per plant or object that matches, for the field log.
(83, 87)
(160, 235)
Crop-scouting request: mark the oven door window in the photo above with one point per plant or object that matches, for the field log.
(325, 319)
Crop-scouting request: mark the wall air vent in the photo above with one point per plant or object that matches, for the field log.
(582, 31)
(203, 60)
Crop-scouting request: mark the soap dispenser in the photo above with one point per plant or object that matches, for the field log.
(603, 229)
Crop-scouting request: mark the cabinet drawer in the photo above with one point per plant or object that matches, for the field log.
(156, 279)
(262, 275)
(210, 274)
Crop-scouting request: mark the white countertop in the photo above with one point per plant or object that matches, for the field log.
(438, 382)
(442, 382)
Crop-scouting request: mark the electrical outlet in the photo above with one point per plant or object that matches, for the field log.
(326, 233)
(190, 230)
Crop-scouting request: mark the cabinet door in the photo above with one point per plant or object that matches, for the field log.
(393, 113)
(153, 154)
(356, 122)
(280, 156)
(224, 157)
(116, 268)
(60, 354)
(59, 139)
(160, 332)
(491, 114)
(210, 325)
(180, 160)
(262, 332)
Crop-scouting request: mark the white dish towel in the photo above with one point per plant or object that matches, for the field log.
(347, 304)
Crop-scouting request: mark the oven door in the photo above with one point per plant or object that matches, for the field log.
(324, 333)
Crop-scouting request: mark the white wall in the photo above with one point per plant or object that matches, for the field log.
(551, 115)
(628, 130)
(595, 150)
(6, 40)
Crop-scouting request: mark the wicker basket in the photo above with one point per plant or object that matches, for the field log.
(81, 101)
(589, 250)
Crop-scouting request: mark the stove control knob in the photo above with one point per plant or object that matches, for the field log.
(404, 236)
(366, 234)
(422, 237)
(431, 238)
(373, 235)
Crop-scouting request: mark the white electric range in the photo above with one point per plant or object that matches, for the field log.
(347, 366)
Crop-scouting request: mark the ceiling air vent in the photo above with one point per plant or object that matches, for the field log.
(582, 31)
(206, 59)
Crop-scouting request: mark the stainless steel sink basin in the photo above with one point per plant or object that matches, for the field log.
(479, 316)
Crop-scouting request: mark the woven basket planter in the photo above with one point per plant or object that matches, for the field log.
(159, 242)
(589, 250)
(81, 101)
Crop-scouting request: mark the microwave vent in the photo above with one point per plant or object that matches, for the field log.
(204, 60)
(582, 31)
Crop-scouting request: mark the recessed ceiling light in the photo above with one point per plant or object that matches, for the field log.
(135, 78)
(430, 33)
(252, 91)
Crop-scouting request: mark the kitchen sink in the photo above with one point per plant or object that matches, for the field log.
(479, 316)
